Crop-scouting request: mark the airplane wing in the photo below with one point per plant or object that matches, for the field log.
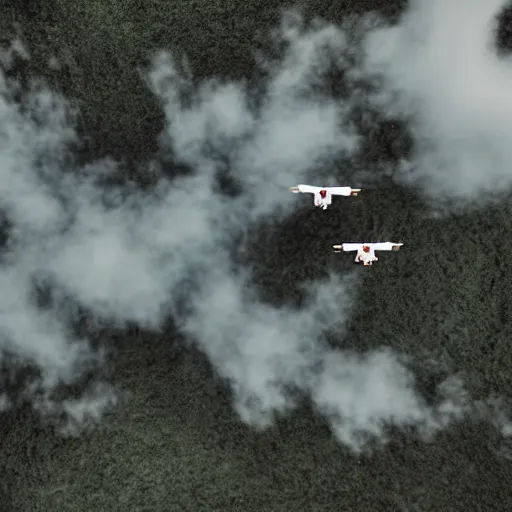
(308, 189)
(341, 191)
(348, 247)
(386, 246)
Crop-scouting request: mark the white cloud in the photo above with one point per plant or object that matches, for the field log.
(441, 71)
(271, 355)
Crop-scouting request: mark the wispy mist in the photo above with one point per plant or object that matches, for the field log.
(272, 355)
(130, 255)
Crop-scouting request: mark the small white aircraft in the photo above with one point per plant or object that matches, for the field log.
(323, 195)
(366, 251)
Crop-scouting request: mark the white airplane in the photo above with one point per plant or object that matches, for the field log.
(323, 195)
(366, 251)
